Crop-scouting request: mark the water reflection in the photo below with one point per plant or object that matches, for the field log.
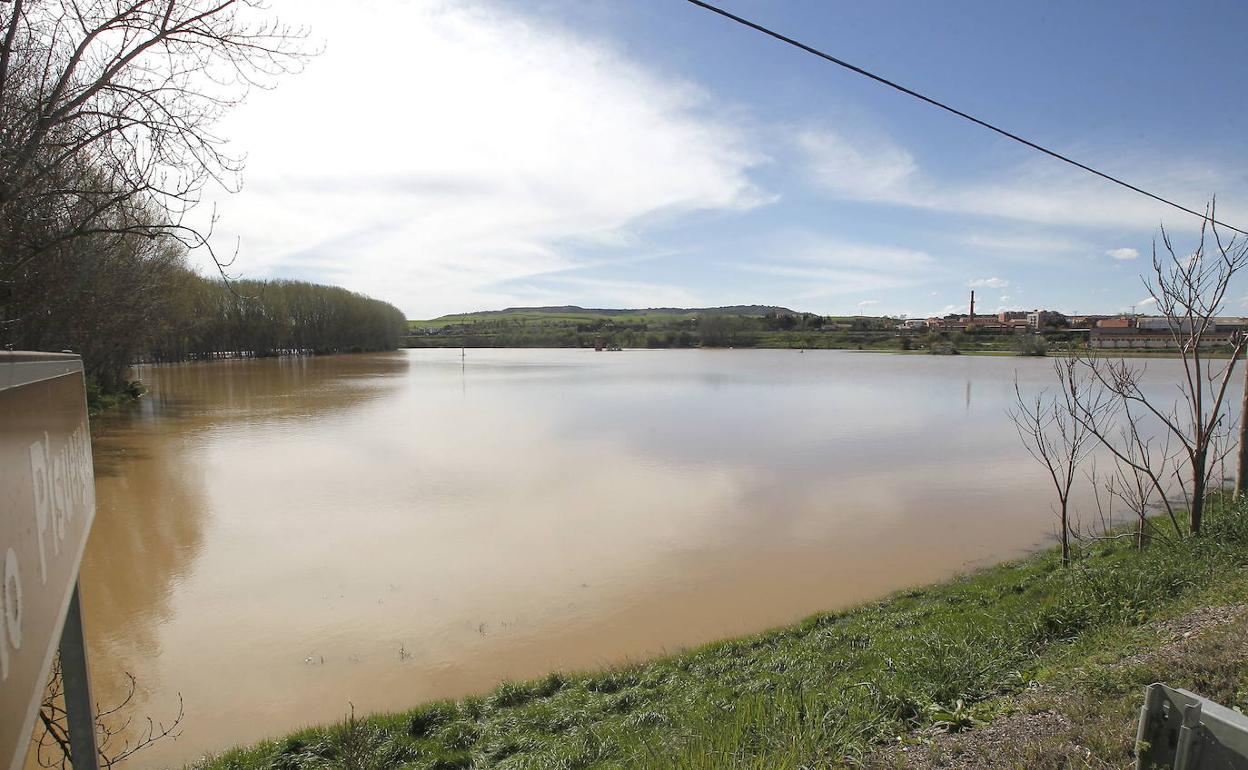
(152, 509)
(148, 531)
(277, 538)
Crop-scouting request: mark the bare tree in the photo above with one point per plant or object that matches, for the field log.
(1136, 484)
(1055, 437)
(108, 108)
(118, 737)
(1190, 292)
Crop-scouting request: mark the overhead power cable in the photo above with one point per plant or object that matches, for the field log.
(966, 116)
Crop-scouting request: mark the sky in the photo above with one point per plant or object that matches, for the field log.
(460, 155)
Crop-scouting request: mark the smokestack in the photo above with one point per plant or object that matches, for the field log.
(972, 304)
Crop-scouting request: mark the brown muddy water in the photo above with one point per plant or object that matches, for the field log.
(279, 539)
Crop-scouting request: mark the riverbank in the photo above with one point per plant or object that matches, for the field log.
(836, 687)
(868, 341)
(100, 400)
(752, 326)
(872, 340)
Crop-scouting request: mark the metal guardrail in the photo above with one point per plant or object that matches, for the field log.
(1181, 730)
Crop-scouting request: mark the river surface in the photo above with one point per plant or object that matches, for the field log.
(278, 539)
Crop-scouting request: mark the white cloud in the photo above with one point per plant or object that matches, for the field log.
(863, 255)
(1024, 243)
(439, 154)
(1146, 305)
(989, 283)
(823, 281)
(826, 267)
(1124, 253)
(875, 169)
(613, 293)
(868, 303)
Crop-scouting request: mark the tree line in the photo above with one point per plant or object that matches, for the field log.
(266, 318)
(131, 299)
(108, 114)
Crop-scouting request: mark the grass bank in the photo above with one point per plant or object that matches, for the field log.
(1085, 717)
(825, 692)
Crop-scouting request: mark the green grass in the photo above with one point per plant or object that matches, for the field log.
(820, 693)
(1098, 704)
(669, 328)
(578, 328)
(101, 400)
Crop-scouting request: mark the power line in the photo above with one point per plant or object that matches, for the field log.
(955, 111)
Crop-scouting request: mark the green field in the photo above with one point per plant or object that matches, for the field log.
(755, 326)
(835, 689)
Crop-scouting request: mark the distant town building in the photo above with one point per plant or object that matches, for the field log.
(1161, 323)
(1115, 323)
(1041, 319)
(1086, 321)
(1117, 338)
(981, 323)
(1159, 332)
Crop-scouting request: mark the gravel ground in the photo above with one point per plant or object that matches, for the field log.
(1037, 733)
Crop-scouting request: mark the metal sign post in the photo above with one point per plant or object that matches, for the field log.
(47, 504)
(79, 708)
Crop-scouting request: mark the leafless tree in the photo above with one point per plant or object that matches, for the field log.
(1190, 291)
(1137, 485)
(108, 108)
(1049, 428)
(118, 737)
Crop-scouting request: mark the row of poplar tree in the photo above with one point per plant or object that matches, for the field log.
(121, 301)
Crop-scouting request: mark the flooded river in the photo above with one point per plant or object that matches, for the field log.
(279, 538)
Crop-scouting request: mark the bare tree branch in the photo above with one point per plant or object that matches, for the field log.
(1190, 291)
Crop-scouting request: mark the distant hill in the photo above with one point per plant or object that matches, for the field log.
(573, 326)
(575, 311)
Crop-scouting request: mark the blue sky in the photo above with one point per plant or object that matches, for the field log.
(462, 155)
